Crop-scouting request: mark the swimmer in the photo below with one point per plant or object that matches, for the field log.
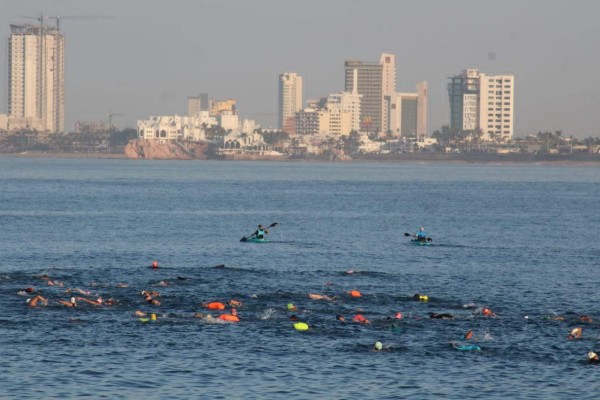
(487, 312)
(441, 316)
(122, 285)
(97, 302)
(421, 297)
(163, 283)
(37, 299)
(378, 346)
(291, 307)
(314, 296)
(575, 333)
(340, 318)
(71, 303)
(293, 317)
(585, 318)
(360, 319)
(354, 293)
(139, 313)
(593, 358)
(234, 303)
(154, 264)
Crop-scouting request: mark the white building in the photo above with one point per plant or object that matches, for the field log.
(290, 97)
(173, 127)
(229, 121)
(348, 102)
(36, 87)
(480, 101)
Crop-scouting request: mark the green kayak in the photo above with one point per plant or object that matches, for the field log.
(420, 243)
(256, 240)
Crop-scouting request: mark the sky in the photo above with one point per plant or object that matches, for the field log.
(151, 55)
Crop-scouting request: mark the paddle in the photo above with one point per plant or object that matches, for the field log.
(408, 234)
(244, 238)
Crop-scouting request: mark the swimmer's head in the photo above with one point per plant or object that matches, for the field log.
(73, 301)
(421, 229)
(398, 315)
(29, 290)
(260, 226)
(592, 356)
(153, 317)
(99, 300)
(155, 263)
(340, 317)
(28, 301)
(378, 346)
(291, 307)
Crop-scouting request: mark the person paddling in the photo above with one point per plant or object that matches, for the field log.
(260, 232)
(421, 235)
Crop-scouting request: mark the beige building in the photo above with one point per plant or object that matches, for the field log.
(222, 106)
(348, 103)
(290, 97)
(485, 102)
(408, 113)
(36, 78)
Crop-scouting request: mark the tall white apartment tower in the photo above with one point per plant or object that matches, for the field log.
(36, 89)
(290, 98)
(480, 101)
(388, 87)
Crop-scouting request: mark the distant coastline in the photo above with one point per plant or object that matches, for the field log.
(461, 158)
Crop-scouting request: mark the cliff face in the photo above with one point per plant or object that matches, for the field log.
(169, 150)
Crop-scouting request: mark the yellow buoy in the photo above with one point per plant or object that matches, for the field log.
(301, 326)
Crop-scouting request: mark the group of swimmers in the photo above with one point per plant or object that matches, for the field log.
(227, 311)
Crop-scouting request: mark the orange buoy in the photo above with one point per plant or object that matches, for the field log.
(354, 293)
(215, 305)
(229, 318)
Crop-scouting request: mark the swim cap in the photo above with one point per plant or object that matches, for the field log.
(291, 307)
(398, 315)
(354, 293)
(153, 317)
(29, 290)
(592, 355)
(72, 300)
(378, 345)
(28, 301)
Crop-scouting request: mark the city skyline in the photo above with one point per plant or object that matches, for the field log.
(126, 66)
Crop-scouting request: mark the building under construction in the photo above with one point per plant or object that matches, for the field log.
(36, 79)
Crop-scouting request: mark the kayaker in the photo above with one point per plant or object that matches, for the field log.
(260, 232)
(421, 235)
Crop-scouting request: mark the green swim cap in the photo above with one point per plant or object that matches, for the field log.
(290, 307)
(378, 345)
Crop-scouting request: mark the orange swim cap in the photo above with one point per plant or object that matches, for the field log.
(468, 335)
(215, 305)
(354, 293)
(487, 311)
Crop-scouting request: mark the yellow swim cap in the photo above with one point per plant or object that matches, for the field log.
(423, 297)
(153, 317)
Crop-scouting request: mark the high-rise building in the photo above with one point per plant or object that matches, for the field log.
(485, 102)
(376, 82)
(290, 98)
(36, 87)
(408, 114)
(365, 78)
(197, 104)
(348, 103)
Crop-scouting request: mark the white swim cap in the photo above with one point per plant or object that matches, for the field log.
(592, 355)
(378, 345)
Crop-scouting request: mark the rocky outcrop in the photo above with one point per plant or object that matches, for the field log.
(166, 150)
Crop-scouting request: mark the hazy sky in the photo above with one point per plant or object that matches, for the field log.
(154, 54)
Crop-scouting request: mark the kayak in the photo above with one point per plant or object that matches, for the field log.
(256, 240)
(418, 243)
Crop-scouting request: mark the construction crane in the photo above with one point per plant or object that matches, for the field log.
(110, 117)
(57, 95)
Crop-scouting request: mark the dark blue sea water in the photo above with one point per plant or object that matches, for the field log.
(520, 240)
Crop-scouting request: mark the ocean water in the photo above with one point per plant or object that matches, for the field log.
(522, 240)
